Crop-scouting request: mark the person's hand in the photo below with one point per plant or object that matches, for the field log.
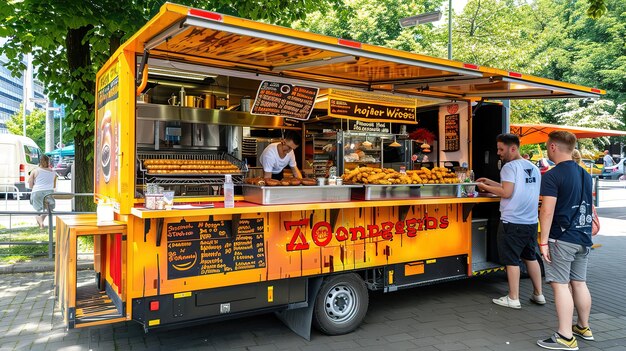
(545, 252)
(481, 180)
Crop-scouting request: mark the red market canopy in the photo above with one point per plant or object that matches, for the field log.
(535, 133)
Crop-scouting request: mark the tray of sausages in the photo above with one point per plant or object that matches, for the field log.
(288, 181)
(176, 167)
(268, 192)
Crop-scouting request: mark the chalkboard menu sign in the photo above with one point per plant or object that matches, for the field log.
(284, 100)
(452, 136)
(208, 247)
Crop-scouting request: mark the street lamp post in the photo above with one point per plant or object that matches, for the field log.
(49, 122)
(24, 112)
(429, 17)
(450, 30)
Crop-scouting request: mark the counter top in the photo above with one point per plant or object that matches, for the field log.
(243, 207)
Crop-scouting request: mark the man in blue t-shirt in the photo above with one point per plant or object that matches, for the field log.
(517, 232)
(565, 220)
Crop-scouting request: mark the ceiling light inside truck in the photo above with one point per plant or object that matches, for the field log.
(175, 73)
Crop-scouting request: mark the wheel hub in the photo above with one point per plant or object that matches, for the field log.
(341, 303)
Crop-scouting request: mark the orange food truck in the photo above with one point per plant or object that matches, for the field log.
(388, 136)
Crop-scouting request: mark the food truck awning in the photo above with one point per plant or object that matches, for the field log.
(182, 39)
(538, 133)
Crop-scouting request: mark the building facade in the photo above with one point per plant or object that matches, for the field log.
(15, 90)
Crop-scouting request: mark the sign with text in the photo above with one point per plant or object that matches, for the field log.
(452, 140)
(371, 107)
(284, 100)
(208, 247)
(378, 127)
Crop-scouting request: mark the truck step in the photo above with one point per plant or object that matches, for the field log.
(93, 305)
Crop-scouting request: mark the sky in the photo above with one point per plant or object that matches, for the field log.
(458, 5)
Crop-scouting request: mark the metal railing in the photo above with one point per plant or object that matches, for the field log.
(50, 213)
(16, 192)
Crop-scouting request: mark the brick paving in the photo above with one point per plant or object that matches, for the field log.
(451, 316)
(445, 317)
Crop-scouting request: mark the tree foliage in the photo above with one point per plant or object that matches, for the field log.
(70, 41)
(552, 39)
(35, 125)
(375, 22)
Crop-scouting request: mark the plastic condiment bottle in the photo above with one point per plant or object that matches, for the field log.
(229, 192)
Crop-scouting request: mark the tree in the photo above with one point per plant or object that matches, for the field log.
(70, 41)
(375, 22)
(35, 125)
(600, 114)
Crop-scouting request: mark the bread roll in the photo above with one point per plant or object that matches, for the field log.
(308, 181)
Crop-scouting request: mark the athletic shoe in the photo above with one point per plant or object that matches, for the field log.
(556, 342)
(584, 333)
(538, 299)
(506, 301)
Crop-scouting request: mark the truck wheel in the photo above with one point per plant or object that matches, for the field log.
(340, 305)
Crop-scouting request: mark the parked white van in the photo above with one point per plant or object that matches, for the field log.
(18, 156)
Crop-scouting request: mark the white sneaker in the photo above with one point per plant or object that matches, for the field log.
(538, 299)
(506, 301)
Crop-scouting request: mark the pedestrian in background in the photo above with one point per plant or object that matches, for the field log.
(565, 220)
(42, 181)
(517, 232)
(607, 159)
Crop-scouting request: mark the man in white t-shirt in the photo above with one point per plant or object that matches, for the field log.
(277, 156)
(607, 159)
(517, 232)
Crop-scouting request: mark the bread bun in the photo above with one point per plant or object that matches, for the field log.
(308, 181)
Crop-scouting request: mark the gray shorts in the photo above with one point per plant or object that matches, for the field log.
(36, 199)
(569, 262)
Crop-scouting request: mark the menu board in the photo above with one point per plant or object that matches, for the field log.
(284, 100)
(452, 136)
(208, 247)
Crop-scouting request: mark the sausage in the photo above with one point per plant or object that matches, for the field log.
(308, 181)
(284, 183)
(294, 181)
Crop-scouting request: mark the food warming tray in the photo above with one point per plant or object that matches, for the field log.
(408, 191)
(387, 192)
(300, 194)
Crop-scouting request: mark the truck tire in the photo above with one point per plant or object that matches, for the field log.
(341, 304)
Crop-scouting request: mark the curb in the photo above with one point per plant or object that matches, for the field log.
(39, 266)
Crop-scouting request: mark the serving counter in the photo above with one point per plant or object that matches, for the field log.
(243, 207)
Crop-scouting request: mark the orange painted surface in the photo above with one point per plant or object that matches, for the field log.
(290, 244)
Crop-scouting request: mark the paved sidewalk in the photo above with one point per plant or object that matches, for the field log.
(453, 316)
(445, 317)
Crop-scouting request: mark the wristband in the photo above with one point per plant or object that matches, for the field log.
(546, 244)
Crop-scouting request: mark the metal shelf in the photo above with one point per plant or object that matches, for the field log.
(189, 179)
(196, 180)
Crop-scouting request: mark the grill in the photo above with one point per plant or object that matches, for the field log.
(191, 183)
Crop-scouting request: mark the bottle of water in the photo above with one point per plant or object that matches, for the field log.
(229, 192)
